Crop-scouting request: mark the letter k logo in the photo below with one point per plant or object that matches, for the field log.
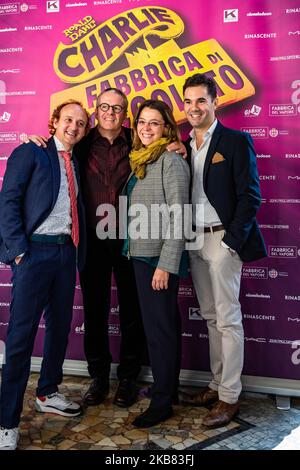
(231, 15)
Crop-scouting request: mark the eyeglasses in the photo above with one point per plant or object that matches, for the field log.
(117, 109)
(152, 124)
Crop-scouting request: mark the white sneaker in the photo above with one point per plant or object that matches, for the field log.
(9, 438)
(58, 404)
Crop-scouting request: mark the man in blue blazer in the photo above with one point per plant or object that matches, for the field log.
(226, 196)
(42, 234)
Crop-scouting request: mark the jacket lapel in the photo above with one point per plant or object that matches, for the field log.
(53, 157)
(211, 150)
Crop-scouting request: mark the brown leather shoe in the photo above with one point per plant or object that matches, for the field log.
(206, 397)
(221, 413)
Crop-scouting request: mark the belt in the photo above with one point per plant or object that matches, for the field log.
(212, 229)
(60, 239)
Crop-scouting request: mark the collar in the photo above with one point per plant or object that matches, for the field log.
(97, 135)
(59, 146)
(209, 131)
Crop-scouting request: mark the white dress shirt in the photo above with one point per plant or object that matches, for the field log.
(205, 215)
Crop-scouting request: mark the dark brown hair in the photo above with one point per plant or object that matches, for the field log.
(199, 79)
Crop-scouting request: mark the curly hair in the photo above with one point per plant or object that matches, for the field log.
(56, 115)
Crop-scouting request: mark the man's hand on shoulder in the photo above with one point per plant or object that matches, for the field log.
(177, 147)
(39, 140)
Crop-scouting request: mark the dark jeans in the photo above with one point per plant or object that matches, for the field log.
(162, 324)
(45, 277)
(103, 258)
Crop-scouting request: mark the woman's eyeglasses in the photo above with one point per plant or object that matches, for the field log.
(152, 124)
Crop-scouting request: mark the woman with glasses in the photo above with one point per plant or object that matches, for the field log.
(157, 190)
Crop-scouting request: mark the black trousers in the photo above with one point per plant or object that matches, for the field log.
(162, 324)
(103, 258)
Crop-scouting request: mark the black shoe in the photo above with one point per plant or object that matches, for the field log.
(152, 416)
(126, 394)
(175, 397)
(96, 393)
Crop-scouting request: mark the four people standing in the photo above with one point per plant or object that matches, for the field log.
(224, 183)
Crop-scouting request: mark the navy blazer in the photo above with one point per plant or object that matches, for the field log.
(232, 187)
(29, 192)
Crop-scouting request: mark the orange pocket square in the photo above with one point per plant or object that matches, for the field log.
(217, 158)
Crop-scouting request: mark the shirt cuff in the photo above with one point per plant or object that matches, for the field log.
(223, 244)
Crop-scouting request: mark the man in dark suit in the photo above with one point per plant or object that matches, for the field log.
(42, 233)
(225, 187)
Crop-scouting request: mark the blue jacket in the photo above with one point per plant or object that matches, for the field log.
(232, 188)
(29, 192)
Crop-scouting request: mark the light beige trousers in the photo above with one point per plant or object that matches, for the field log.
(216, 274)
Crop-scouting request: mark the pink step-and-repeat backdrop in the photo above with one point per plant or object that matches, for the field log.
(54, 50)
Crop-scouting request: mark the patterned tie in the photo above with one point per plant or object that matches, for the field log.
(72, 193)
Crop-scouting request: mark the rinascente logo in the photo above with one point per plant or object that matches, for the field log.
(259, 316)
(292, 298)
(292, 155)
(292, 10)
(260, 36)
(267, 177)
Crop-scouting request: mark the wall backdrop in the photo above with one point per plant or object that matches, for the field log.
(54, 50)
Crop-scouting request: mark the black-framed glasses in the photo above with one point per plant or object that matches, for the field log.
(117, 108)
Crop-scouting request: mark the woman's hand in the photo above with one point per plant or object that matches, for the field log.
(39, 140)
(160, 279)
(177, 147)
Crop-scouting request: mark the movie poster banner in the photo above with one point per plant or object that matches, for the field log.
(54, 50)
